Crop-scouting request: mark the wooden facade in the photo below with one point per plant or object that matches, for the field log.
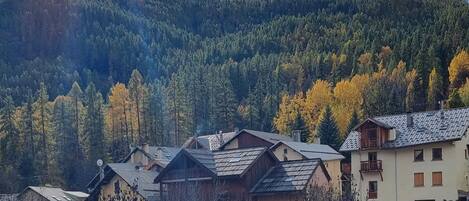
(372, 135)
(187, 177)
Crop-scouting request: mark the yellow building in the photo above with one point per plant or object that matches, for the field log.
(290, 151)
(411, 157)
(125, 181)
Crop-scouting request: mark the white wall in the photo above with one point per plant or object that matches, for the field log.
(399, 168)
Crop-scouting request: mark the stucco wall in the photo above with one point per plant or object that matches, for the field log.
(138, 157)
(107, 192)
(399, 168)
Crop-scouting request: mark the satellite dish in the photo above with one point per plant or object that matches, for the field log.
(99, 162)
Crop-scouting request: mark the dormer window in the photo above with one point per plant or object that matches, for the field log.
(374, 134)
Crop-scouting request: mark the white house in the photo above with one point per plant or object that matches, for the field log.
(415, 156)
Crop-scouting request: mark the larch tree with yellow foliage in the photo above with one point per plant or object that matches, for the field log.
(317, 98)
(435, 90)
(459, 69)
(347, 99)
(118, 116)
(288, 113)
(464, 93)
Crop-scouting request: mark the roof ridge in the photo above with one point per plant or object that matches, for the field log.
(420, 112)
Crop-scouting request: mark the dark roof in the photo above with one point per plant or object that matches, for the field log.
(223, 163)
(311, 151)
(227, 163)
(236, 162)
(8, 197)
(269, 137)
(136, 176)
(288, 176)
(56, 194)
(428, 127)
(211, 142)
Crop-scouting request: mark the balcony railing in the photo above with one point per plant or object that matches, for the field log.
(372, 195)
(371, 166)
(369, 144)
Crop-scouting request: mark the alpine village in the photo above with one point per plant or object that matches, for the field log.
(234, 100)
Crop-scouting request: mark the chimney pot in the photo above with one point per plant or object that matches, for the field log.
(410, 120)
(297, 135)
(442, 110)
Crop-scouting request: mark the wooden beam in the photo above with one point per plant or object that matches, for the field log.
(184, 180)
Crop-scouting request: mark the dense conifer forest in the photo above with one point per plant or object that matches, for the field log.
(86, 79)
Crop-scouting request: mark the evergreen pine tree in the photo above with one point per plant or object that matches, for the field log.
(354, 121)
(136, 92)
(454, 99)
(27, 167)
(94, 124)
(327, 130)
(42, 114)
(9, 131)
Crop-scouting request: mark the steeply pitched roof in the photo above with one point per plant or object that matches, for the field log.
(236, 162)
(211, 142)
(222, 163)
(143, 179)
(312, 151)
(428, 127)
(57, 194)
(269, 137)
(288, 176)
(230, 162)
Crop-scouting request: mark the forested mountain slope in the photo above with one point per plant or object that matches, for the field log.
(209, 65)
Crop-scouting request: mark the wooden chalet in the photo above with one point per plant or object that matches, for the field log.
(204, 175)
(237, 175)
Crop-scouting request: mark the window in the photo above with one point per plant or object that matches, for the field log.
(373, 190)
(419, 179)
(372, 156)
(418, 155)
(466, 152)
(117, 188)
(437, 155)
(285, 153)
(437, 178)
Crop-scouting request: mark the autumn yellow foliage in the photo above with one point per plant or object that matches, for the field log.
(459, 69)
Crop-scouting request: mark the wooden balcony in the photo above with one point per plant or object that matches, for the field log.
(372, 195)
(371, 166)
(369, 144)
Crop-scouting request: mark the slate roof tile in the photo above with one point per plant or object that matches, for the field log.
(287, 176)
(428, 127)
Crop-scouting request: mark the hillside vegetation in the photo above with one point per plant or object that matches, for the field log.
(85, 79)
